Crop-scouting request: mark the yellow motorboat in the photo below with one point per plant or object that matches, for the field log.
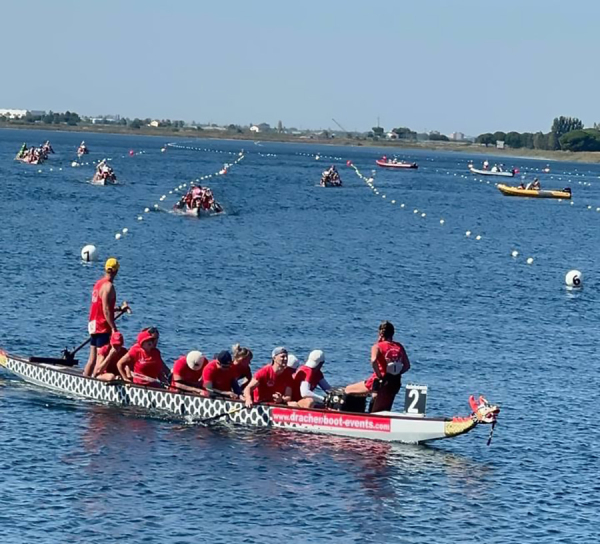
(534, 193)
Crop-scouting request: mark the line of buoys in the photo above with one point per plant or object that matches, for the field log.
(206, 149)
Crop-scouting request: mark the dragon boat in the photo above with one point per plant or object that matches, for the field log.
(411, 426)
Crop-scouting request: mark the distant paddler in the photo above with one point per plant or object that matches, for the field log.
(101, 322)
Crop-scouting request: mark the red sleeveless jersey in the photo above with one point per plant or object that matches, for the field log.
(97, 322)
(390, 358)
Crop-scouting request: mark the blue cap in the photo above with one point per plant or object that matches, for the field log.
(224, 358)
(278, 350)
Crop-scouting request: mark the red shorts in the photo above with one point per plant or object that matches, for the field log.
(370, 381)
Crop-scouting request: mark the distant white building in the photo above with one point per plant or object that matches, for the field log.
(13, 114)
(154, 123)
(261, 127)
(457, 136)
(391, 135)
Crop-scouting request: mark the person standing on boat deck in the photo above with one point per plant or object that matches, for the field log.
(389, 362)
(272, 383)
(187, 372)
(242, 357)
(101, 322)
(143, 364)
(108, 356)
(217, 376)
(306, 379)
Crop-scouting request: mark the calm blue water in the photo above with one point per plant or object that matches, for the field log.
(294, 264)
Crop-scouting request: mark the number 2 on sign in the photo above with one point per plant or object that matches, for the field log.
(413, 394)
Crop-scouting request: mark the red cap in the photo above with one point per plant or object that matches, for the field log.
(143, 336)
(116, 339)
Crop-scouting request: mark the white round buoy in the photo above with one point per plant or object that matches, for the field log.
(415, 211)
(156, 206)
(402, 205)
(529, 260)
(442, 221)
(146, 210)
(393, 202)
(140, 218)
(468, 233)
(478, 237)
(515, 253)
(89, 253)
(574, 279)
(118, 236)
(572, 202)
(423, 214)
(125, 230)
(382, 196)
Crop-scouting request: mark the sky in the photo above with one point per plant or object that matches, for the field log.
(472, 66)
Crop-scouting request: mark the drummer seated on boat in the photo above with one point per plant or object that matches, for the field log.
(389, 362)
(535, 185)
(187, 373)
(218, 377)
(143, 364)
(108, 357)
(272, 383)
(306, 380)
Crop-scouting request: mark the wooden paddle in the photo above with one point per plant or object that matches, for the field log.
(69, 356)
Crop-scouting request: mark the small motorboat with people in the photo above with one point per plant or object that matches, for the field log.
(198, 201)
(534, 190)
(385, 162)
(342, 415)
(331, 178)
(82, 150)
(104, 174)
(496, 170)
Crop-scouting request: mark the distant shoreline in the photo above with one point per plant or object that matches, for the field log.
(461, 147)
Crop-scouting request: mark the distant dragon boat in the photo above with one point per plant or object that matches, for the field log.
(410, 426)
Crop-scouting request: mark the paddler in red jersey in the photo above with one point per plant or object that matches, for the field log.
(242, 357)
(143, 364)
(389, 362)
(108, 357)
(187, 373)
(306, 380)
(218, 377)
(101, 322)
(272, 383)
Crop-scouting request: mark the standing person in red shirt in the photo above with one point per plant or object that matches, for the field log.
(143, 364)
(242, 357)
(187, 373)
(389, 362)
(272, 383)
(307, 378)
(108, 357)
(101, 322)
(218, 377)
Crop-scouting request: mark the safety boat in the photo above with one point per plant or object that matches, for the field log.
(387, 163)
(104, 179)
(509, 190)
(492, 172)
(410, 426)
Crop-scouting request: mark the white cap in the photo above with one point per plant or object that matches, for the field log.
(315, 358)
(293, 361)
(195, 359)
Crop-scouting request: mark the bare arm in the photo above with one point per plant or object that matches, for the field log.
(374, 354)
(123, 367)
(109, 299)
(209, 387)
(180, 386)
(103, 362)
(248, 392)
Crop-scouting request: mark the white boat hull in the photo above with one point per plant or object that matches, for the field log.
(387, 426)
(490, 173)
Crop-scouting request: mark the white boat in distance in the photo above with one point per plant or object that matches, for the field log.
(501, 173)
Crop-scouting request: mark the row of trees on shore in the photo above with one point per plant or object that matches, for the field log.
(566, 133)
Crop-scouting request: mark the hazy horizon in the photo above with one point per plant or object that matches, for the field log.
(465, 66)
